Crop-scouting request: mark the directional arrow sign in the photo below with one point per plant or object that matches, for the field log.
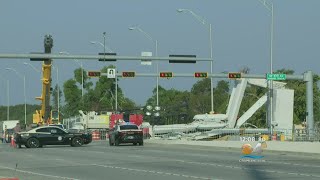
(276, 76)
(111, 73)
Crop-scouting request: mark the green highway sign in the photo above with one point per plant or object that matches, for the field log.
(276, 76)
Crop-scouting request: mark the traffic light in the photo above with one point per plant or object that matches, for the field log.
(128, 74)
(200, 74)
(166, 74)
(94, 73)
(234, 75)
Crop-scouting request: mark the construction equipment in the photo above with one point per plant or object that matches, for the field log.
(45, 115)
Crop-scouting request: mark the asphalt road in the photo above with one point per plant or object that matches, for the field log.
(98, 161)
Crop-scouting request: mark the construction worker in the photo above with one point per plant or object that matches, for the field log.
(4, 135)
(17, 128)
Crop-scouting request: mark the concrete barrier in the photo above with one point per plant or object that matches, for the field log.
(301, 147)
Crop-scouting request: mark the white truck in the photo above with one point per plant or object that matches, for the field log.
(9, 125)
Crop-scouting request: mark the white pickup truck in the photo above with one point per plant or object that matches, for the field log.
(9, 125)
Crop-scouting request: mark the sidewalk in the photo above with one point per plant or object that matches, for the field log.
(300, 147)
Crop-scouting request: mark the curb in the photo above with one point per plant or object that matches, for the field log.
(284, 152)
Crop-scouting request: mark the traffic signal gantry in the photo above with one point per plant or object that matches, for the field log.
(132, 74)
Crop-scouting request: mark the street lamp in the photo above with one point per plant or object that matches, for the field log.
(269, 6)
(156, 51)
(81, 66)
(99, 43)
(154, 110)
(8, 99)
(203, 22)
(104, 52)
(24, 87)
(32, 66)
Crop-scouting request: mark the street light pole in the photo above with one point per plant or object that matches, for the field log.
(158, 74)
(58, 93)
(96, 42)
(8, 100)
(25, 100)
(270, 114)
(211, 66)
(110, 50)
(24, 89)
(8, 108)
(202, 21)
(156, 54)
(81, 66)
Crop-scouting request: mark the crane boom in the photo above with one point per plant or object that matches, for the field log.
(44, 115)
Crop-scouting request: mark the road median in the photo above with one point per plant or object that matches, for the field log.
(296, 147)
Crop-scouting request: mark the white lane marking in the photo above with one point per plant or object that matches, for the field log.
(243, 168)
(293, 164)
(37, 174)
(135, 156)
(154, 172)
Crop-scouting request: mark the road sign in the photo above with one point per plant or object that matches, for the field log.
(128, 74)
(276, 76)
(166, 74)
(200, 74)
(182, 61)
(234, 75)
(146, 62)
(108, 54)
(94, 73)
(111, 73)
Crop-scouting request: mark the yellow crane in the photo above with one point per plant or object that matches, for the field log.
(46, 115)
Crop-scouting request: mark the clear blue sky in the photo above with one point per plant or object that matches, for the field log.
(241, 36)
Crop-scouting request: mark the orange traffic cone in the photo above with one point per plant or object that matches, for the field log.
(13, 144)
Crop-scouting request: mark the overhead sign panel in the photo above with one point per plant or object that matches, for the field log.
(276, 76)
(183, 61)
(108, 54)
(38, 59)
(147, 61)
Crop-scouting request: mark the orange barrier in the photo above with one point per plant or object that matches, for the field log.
(95, 135)
(13, 144)
(9, 178)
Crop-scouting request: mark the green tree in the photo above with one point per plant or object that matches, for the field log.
(72, 98)
(17, 112)
(97, 97)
